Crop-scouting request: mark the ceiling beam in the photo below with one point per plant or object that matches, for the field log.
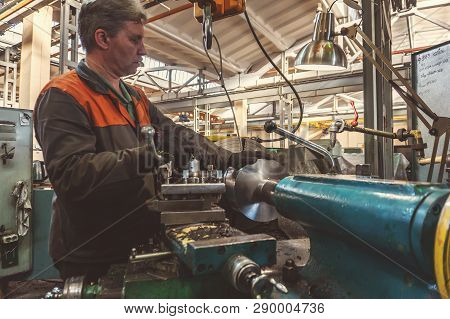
(435, 21)
(20, 11)
(162, 54)
(269, 33)
(231, 66)
(431, 4)
(410, 24)
(267, 66)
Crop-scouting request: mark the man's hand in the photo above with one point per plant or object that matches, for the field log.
(239, 160)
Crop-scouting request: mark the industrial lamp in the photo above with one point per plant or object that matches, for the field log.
(322, 54)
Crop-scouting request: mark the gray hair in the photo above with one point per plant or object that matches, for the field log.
(109, 15)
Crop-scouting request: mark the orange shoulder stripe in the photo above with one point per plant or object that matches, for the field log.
(99, 107)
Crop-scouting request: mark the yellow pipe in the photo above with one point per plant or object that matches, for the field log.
(14, 9)
(426, 161)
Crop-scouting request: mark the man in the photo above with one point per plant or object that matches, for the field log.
(87, 122)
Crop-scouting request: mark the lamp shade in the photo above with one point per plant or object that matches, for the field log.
(322, 54)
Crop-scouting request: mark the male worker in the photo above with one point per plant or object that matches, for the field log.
(87, 122)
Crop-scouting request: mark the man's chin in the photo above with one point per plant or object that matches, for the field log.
(131, 70)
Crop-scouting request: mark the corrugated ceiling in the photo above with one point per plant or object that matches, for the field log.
(176, 40)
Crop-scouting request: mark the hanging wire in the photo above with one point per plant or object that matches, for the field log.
(219, 72)
(283, 76)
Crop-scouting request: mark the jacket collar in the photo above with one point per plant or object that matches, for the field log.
(96, 83)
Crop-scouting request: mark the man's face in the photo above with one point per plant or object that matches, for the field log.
(126, 49)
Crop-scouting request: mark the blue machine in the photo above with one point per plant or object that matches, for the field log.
(370, 238)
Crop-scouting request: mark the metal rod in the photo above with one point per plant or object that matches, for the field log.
(435, 21)
(443, 158)
(171, 12)
(409, 102)
(371, 132)
(151, 256)
(389, 78)
(433, 159)
(155, 83)
(186, 83)
(387, 63)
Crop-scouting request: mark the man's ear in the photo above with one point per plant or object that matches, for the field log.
(101, 39)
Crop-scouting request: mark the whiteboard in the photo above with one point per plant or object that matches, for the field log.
(431, 81)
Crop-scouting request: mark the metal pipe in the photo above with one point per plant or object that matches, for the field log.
(271, 127)
(4, 13)
(412, 50)
(9, 6)
(171, 12)
(153, 3)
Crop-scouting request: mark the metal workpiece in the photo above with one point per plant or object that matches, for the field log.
(395, 219)
(192, 189)
(250, 189)
(271, 127)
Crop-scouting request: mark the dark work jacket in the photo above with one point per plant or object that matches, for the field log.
(101, 172)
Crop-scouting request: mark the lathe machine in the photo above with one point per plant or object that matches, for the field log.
(315, 236)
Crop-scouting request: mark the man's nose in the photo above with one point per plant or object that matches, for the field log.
(141, 49)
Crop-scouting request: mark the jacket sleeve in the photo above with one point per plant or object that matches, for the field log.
(75, 169)
(182, 142)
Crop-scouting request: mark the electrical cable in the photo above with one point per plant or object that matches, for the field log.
(329, 9)
(222, 83)
(282, 75)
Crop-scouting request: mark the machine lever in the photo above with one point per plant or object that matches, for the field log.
(279, 286)
(271, 127)
(148, 134)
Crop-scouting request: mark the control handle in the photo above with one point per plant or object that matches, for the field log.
(148, 134)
